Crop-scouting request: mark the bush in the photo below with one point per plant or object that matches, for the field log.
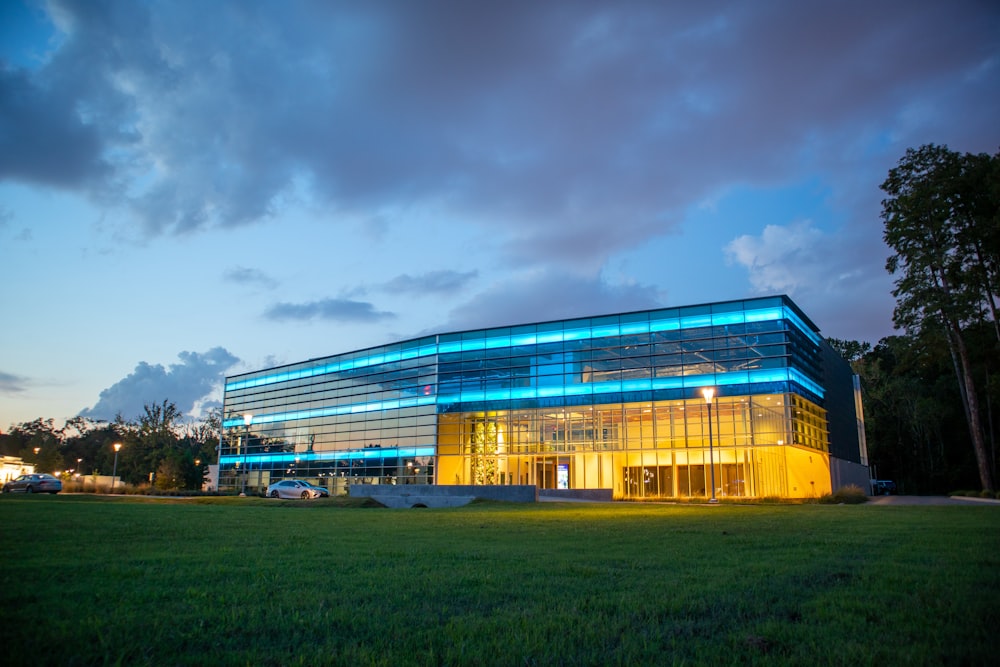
(845, 495)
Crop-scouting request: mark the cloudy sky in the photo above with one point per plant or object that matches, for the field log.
(190, 188)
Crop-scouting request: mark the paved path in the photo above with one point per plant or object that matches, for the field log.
(931, 500)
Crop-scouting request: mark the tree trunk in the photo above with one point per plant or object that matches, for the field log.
(975, 422)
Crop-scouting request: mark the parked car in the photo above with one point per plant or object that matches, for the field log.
(323, 492)
(295, 488)
(33, 483)
(883, 487)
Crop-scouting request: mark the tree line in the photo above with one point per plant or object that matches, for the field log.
(159, 441)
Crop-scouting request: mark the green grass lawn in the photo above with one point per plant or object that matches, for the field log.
(248, 581)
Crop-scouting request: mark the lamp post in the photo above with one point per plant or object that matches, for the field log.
(114, 472)
(247, 420)
(709, 394)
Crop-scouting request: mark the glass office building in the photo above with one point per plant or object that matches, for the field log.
(614, 402)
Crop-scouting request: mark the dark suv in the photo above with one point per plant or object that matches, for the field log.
(883, 487)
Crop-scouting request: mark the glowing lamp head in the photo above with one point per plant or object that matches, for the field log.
(117, 446)
(248, 419)
(708, 393)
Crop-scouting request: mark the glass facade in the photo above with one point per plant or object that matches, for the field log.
(612, 402)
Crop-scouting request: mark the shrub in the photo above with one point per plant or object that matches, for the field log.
(845, 495)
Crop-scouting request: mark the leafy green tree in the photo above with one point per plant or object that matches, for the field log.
(88, 445)
(202, 439)
(851, 350)
(158, 441)
(941, 227)
(148, 440)
(37, 442)
(173, 472)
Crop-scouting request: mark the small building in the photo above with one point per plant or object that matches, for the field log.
(12, 467)
(731, 399)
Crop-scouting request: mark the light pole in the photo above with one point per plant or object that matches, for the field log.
(709, 394)
(114, 472)
(247, 420)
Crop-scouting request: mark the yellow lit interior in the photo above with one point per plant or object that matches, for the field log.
(761, 446)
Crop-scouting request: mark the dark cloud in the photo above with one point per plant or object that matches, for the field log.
(576, 129)
(12, 384)
(186, 384)
(45, 140)
(339, 310)
(245, 276)
(544, 296)
(443, 282)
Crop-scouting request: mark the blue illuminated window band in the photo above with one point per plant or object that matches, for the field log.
(583, 333)
(595, 388)
(320, 457)
(335, 410)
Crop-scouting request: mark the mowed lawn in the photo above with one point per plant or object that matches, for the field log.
(248, 581)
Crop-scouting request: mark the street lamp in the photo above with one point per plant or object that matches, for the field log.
(114, 472)
(247, 420)
(709, 394)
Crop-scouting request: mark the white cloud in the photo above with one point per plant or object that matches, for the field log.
(849, 296)
(782, 258)
(186, 384)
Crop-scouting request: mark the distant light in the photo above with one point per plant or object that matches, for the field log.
(708, 393)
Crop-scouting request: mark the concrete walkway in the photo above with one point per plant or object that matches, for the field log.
(931, 500)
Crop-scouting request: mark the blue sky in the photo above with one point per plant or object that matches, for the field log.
(190, 189)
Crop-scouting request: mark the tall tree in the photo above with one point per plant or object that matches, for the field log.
(935, 219)
(851, 350)
(148, 440)
(37, 442)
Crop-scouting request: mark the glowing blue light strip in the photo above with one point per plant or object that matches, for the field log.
(500, 341)
(333, 410)
(335, 367)
(626, 386)
(555, 391)
(311, 457)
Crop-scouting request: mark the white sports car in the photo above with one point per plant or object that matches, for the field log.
(295, 488)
